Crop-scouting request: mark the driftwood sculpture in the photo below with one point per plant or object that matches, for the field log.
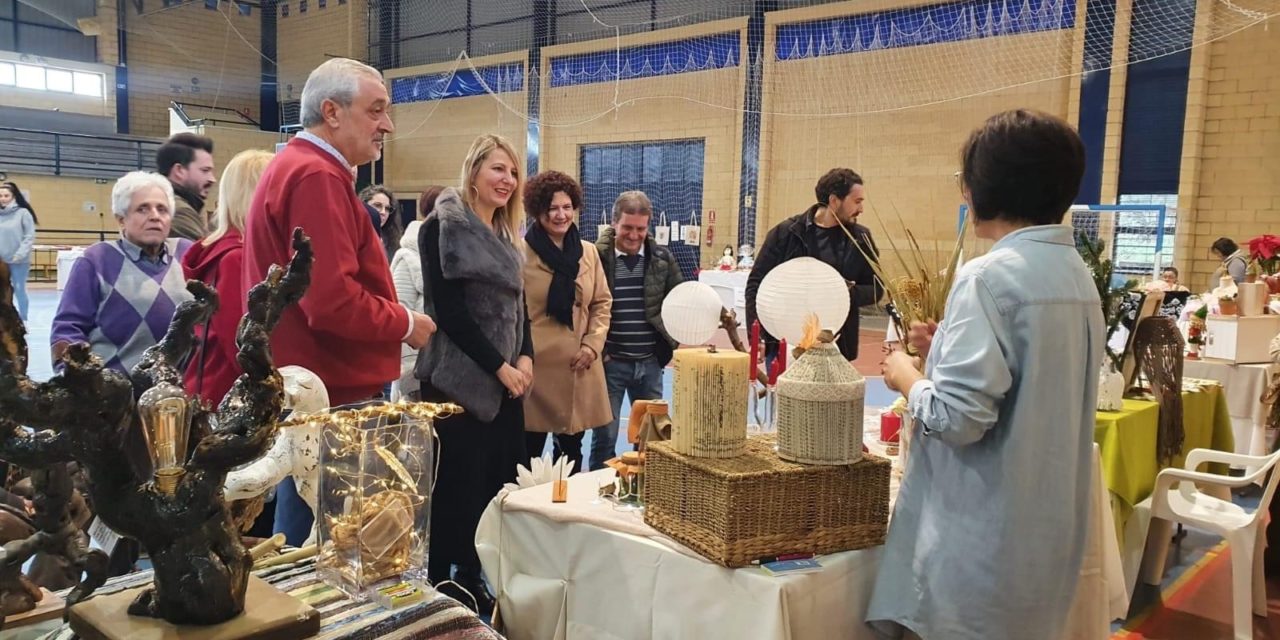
(55, 534)
(59, 541)
(87, 412)
(17, 593)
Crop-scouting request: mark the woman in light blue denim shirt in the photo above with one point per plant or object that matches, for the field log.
(17, 237)
(988, 531)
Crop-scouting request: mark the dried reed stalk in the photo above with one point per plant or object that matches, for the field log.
(921, 294)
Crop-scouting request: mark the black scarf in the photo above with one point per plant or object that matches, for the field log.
(190, 195)
(564, 268)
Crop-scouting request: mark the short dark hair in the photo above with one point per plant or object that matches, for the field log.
(633, 203)
(540, 189)
(1225, 246)
(1023, 165)
(836, 182)
(181, 149)
(1173, 270)
(427, 201)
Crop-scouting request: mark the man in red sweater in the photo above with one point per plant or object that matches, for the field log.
(349, 327)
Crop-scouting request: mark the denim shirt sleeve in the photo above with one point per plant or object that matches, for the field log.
(969, 373)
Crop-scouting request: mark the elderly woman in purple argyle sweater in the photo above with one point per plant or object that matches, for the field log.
(122, 293)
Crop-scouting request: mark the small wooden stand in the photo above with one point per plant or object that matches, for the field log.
(49, 607)
(560, 491)
(270, 614)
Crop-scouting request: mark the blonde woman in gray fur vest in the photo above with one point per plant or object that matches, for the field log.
(481, 356)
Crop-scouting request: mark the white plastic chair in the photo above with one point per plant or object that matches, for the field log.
(1177, 499)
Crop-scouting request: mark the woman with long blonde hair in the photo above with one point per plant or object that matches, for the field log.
(217, 261)
(481, 356)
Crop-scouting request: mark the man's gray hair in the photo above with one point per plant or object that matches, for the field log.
(338, 79)
(131, 183)
(632, 202)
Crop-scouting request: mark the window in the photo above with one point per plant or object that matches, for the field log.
(88, 84)
(1138, 232)
(58, 80)
(30, 77)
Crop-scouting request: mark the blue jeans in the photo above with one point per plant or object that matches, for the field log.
(18, 277)
(639, 380)
(293, 517)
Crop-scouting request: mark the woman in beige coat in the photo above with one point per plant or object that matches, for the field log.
(569, 302)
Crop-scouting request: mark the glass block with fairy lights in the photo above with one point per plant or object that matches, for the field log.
(376, 469)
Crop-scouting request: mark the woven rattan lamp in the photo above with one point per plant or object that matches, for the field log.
(820, 405)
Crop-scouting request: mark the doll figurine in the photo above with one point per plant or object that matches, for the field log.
(727, 263)
(746, 257)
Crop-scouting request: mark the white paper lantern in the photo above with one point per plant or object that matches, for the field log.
(691, 312)
(796, 289)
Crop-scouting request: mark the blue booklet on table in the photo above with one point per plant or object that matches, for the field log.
(790, 567)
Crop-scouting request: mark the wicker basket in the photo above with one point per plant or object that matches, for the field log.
(735, 510)
(820, 408)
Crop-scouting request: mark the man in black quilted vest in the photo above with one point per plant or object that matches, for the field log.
(637, 349)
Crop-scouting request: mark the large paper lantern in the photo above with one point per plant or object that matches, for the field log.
(796, 289)
(691, 312)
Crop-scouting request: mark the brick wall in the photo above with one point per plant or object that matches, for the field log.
(308, 39)
(1231, 187)
(229, 141)
(908, 157)
(59, 202)
(188, 53)
(432, 138)
(704, 104)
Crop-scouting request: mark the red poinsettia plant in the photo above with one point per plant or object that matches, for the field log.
(1265, 250)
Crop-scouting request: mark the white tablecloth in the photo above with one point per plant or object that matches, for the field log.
(66, 258)
(581, 570)
(732, 287)
(1244, 385)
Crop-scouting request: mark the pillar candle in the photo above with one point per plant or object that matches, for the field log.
(755, 348)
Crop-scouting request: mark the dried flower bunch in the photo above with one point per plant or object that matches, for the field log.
(921, 294)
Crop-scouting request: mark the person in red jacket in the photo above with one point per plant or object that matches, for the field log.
(218, 261)
(349, 327)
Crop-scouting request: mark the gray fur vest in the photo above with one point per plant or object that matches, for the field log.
(490, 272)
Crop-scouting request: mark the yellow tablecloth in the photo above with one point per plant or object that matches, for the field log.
(1127, 439)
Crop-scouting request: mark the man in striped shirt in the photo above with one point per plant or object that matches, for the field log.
(637, 349)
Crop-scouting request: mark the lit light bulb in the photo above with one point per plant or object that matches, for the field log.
(165, 410)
